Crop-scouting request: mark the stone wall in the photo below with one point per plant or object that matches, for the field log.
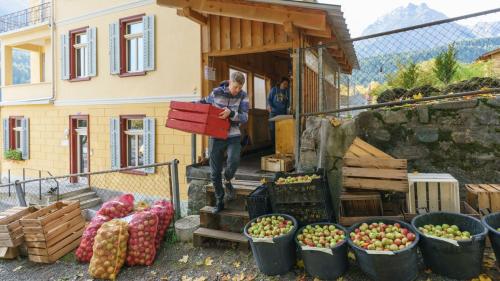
(461, 138)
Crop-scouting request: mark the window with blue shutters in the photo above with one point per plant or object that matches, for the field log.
(79, 54)
(16, 135)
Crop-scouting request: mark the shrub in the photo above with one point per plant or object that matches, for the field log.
(13, 154)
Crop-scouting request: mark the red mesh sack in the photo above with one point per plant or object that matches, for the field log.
(165, 212)
(84, 251)
(118, 207)
(142, 230)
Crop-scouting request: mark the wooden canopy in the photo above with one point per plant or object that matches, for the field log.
(232, 27)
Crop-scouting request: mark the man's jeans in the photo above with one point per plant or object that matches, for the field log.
(217, 149)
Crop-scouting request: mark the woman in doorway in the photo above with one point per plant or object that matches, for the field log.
(278, 102)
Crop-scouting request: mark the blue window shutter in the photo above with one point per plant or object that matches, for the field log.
(148, 23)
(149, 144)
(114, 48)
(114, 130)
(64, 57)
(6, 135)
(92, 51)
(25, 138)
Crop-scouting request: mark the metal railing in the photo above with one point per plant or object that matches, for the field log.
(24, 18)
(162, 184)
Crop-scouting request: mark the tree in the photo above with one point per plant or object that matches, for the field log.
(405, 77)
(446, 64)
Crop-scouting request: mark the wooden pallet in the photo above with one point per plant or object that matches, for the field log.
(484, 196)
(368, 173)
(360, 148)
(54, 231)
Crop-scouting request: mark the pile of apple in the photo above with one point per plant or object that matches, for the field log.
(297, 179)
(382, 237)
(84, 251)
(326, 236)
(142, 234)
(118, 207)
(165, 212)
(445, 231)
(110, 250)
(270, 227)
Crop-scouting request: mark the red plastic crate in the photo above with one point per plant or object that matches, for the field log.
(197, 118)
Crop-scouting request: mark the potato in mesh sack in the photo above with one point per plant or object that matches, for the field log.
(118, 207)
(165, 212)
(84, 251)
(110, 250)
(142, 230)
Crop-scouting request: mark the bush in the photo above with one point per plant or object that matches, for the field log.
(13, 154)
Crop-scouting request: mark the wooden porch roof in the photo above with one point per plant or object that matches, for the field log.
(319, 22)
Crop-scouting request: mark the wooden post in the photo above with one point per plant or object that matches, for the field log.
(297, 99)
(320, 79)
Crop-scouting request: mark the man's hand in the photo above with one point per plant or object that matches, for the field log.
(224, 114)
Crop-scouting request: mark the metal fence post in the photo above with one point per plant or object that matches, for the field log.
(193, 148)
(8, 178)
(175, 191)
(298, 101)
(40, 185)
(24, 179)
(20, 194)
(321, 77)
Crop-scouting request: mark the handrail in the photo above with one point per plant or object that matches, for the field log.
(27, 17)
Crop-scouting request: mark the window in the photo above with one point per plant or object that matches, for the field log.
(134, 47)
(134, 142)
(79, 54)
(260, 92)
(15, 132)
(16, 135)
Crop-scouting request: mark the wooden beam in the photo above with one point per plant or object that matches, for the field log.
(192, 15)
(251, 50)
(327, 33)
(271, 13)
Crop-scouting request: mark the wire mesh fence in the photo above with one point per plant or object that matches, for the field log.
(94, 188)
(437, 58)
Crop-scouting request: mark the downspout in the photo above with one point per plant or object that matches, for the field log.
(53, 50)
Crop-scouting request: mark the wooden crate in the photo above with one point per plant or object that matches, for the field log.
(354, 204)
(369, 173)
(436, 192)
(465, 209)
(277, 163)
(53, 231)
(484, 196)
(360, 148)
(9, 253)
(11, 232)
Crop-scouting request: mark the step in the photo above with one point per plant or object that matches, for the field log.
(82, 197)
(87, 204)
(219, 234)
(241, 188)
(226, 212)
(73, 193)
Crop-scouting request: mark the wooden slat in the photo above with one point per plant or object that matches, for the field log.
(375, 152)
(374, 184)
(65, 227)
(225, 33)
(61, 243)
(223, 235)
(268, 33)
(446, 197)
(421, 195)
(239, 190)
(374, 173)
(215, 44)
(246, 33)
(279, 34)
(235, 33)
(356, 196)
(205, 38)
(57, 255)
(359, 152)
(376, 163)
(433, 197)
(226, 212)
(257, 34)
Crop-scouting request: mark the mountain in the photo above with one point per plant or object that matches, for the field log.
(486, 29)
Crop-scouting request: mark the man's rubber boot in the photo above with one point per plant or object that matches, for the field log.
(229, 190)
(219, 206)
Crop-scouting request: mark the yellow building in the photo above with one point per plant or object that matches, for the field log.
(102, 74)
(493, 56)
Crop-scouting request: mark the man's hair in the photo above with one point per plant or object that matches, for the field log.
(238, 77)
(283, 79)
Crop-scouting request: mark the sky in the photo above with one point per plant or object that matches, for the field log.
(361, 13)
(9, 6)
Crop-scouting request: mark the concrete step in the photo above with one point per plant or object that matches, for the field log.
(83, 196)
(65, 196)
(87, 204)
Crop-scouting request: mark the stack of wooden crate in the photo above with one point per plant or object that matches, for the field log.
(53, 231)
(11, 232)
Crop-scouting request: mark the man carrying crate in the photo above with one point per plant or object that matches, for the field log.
(229, 96)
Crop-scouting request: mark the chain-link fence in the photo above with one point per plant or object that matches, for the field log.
(147, 183)
(437, 58)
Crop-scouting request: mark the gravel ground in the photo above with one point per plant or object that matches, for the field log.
(214, 263)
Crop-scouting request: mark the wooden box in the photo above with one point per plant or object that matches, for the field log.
(353, 204)
(11, 232)
(53, 231)
(284, 132)
(382, 174)
(9, 253)
(436, 192)
(197, 118)
(484, 196)
(277, 163)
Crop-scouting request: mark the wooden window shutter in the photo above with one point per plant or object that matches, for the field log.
(149, 144)
(25, 138)
(65, 57)
(114, 130)
(114, 48)
(6, 135)
(148, 23)
(92, 51)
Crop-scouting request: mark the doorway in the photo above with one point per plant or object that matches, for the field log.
(79, 147)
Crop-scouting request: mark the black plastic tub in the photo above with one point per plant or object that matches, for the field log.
(277, 256)
(402, 265)
(323, 265)
(461, 261)
(492, 223)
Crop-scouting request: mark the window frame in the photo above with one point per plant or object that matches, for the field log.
(123, 23)
(13, 130)
(72, 54)
(124, 142)
(266, 90)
